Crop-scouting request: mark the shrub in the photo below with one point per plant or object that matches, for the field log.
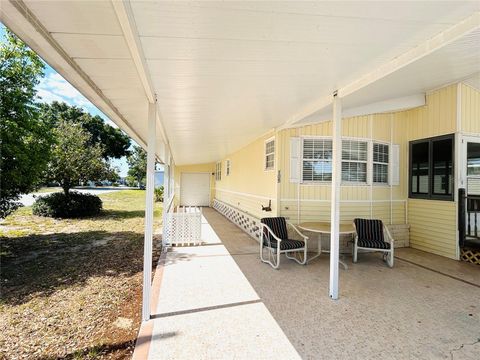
(58, 205)
(159, 194)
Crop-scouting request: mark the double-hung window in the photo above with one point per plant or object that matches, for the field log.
(317, 160)
(227, 167)
(431, 168)
(270, 154)
(354, 161)
(380, 163)
(218, 171)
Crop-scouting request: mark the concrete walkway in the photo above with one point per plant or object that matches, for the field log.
(219, 301)
(207, 309)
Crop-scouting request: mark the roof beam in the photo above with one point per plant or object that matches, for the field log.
(126, 19)
(17, 17)
(442, 39)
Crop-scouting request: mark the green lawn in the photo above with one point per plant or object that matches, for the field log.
(66, 282)
(48, 189)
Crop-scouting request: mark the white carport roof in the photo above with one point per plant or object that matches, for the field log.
(225, 73)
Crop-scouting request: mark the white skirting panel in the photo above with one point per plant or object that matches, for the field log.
(247, 222)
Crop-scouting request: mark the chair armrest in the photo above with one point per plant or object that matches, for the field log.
(305, 238)
(270, 231)
(389, 236)
(355, 234)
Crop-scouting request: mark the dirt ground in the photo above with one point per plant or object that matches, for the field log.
(71, 289)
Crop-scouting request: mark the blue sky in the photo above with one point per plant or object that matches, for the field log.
(53, 87)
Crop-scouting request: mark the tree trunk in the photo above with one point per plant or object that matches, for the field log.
(66, 188)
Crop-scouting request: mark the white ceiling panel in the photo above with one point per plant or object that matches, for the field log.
(102, 46)
(76, 17)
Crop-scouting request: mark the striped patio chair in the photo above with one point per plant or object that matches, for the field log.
(276, 241)
(370, 236)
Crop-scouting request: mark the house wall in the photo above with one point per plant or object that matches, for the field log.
(311, 202)
(432, 222)
(470, 109)
(249, 185)
(389, 203)
(197, 168)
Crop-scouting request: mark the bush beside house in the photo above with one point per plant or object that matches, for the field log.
(59, 205)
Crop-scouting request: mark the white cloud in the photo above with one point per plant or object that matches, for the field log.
(53, 87)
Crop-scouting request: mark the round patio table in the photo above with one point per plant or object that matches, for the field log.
(324, 228)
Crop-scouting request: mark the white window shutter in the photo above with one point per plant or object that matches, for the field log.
(295, 159)
(395, 165)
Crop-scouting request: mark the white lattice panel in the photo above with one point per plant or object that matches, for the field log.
(184, 227)
(248, 223)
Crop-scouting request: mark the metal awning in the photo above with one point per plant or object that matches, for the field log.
(224, 73)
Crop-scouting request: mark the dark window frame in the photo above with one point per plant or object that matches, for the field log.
(430, 195)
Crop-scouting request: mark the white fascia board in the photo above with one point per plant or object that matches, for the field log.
(442, 39)
(127, 22)
(18, 18)
(386, 106)
(439, 41)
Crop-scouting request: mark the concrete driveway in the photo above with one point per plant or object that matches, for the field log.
(29, 199)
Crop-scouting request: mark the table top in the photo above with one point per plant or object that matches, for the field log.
(324, 227)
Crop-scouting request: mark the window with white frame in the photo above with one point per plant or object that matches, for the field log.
(270, 154)
(218, 171)
(227, 167)
(317, 160)
(380, 163)
(354, 161)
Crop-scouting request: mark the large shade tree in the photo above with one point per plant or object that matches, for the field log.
(73, 159)
(24, 138)
(137, 165)
(115, 144)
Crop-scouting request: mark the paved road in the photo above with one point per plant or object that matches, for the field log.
(29, 199)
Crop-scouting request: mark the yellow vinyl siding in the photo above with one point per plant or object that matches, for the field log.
(315, 197)
(320, 211)
(358, 126)
(197, 168)
(432, 223)
(249, 186)
(470, 110)
(437, 117)
(433, 226)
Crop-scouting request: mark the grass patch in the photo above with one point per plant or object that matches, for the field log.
(47, 189)
(65, 282)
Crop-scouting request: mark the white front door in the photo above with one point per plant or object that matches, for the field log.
(195, 189)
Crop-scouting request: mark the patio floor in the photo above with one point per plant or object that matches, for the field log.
(219, 301)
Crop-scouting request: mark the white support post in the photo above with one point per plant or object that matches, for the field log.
(335, 201)
(166, 198)
(147, 248)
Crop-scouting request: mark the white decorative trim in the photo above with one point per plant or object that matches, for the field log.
(248, 223)
(459, 107)
(346, 201)
(244, 194)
